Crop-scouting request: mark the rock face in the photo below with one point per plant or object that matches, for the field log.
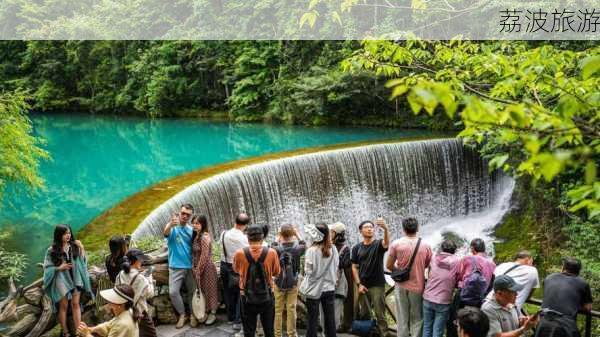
(165, 314)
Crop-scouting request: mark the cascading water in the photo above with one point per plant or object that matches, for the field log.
(445, 185)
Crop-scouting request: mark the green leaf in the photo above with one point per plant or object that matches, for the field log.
(498, 161)
(399, 90)
(414, 103)
(311, 17)
(595, 213)
(336, 17)
(549, 166)
(394, 82)
(590, 172)
(532, 145)
(589, 66)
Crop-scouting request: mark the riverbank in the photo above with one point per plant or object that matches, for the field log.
(404, 119)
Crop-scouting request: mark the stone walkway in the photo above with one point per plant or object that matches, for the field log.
(218, 329)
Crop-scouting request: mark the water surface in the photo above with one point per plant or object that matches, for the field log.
(98, 161)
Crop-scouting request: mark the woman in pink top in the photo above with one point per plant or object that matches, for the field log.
(437, 298)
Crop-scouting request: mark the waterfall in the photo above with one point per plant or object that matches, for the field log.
(445, 185)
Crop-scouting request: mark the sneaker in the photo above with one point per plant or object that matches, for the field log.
(181, 322)
(211, 319)
(193, 321)
(237, 326)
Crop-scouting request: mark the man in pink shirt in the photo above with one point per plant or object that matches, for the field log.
(409, 294)
(439, 290)
(484, 265)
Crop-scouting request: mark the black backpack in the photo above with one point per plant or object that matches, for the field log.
(474, 288)
(257, 290)
(288, 278)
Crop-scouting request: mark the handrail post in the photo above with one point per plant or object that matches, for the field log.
(588, 324)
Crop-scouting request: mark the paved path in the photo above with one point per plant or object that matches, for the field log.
(218, 329)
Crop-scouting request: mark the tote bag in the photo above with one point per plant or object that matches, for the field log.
(199, 305)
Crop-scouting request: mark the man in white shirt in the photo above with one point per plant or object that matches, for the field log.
(524, 274)
(230, 241)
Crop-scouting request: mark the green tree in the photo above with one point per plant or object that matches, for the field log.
(534, 109)
(20, 150)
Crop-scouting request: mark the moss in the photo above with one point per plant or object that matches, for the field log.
(514, 234)
(129, 213)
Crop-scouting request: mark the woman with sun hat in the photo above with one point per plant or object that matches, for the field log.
(120, 300)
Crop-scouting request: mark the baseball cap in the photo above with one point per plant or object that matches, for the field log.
(137, 254)
(337, 227)
(505, 282)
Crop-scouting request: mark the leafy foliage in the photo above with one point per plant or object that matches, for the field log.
(149, 243)
(96, 257)
(20, 150)
(282, 81)
(531, 109)
(12, 264)
(538, 108)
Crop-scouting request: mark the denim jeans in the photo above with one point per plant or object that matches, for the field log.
(435, 317)
(312, 306)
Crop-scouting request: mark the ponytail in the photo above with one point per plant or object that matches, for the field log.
(326, 242)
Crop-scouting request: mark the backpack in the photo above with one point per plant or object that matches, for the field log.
(288, 278)
(257, 290)
(474, 288)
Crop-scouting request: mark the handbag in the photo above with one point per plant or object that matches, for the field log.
(199, 305)
(233, 281)
(363, 328)
(402, 275)
(312, 289)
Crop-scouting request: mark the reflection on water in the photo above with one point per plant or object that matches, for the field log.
(98, 161)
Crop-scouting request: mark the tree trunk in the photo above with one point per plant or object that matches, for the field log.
(23, 326)
(44, 319)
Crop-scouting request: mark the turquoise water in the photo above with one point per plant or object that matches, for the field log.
(98, 161)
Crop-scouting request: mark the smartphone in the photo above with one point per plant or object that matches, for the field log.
(149, 271)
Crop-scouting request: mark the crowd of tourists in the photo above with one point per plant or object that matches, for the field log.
(343, 286)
